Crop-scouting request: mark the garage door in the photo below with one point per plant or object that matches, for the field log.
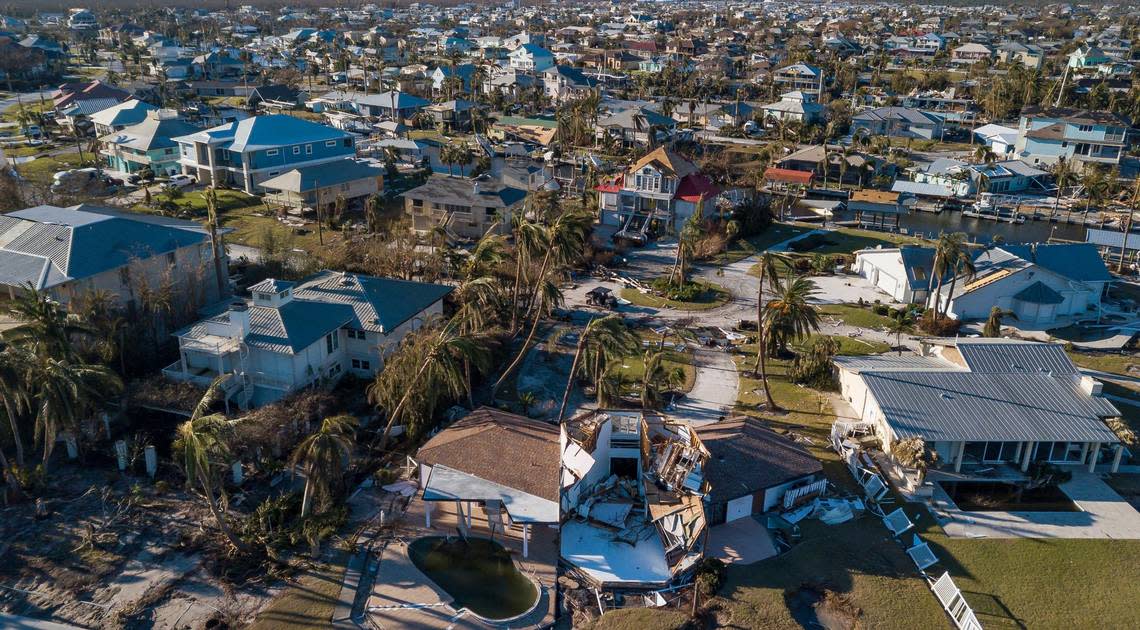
(739, 508)
(887, 283)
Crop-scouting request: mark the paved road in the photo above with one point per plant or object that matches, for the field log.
(27, 98)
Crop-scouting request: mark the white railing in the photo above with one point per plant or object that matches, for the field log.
(955, 605)
(793, 495)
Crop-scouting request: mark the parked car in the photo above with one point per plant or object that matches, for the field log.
(182, 181)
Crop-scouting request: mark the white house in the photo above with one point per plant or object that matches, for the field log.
(903, 273)
(661, 188)
(292, 335)
(531, 58)
(984, 403)
(1043, 285)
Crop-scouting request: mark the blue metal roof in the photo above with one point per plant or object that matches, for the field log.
(1077, 261)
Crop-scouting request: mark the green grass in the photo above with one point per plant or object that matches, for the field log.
(847, 240)
(852, 346)
(855, 315)
(640, 618)
(307, 603)
(633, 368)
(712, 297)
(250, 223)
(228, 200)
(775, 234)
(24, 151)
(1105, 361)
(42, 169)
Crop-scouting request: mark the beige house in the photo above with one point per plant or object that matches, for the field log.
(464, 207)
(322, 184)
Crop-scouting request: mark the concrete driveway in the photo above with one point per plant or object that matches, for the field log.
(714, 391)
(742, 541)
(1104, 514)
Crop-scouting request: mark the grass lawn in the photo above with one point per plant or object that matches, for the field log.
(846, 240)
(42, 169)
(228, 200)
(855, 315)
(775, 234)
(712, 297)
(308, 602)
(633, 368)
(24, 151)
(1105, 361)
(640, 618)
(853, 346)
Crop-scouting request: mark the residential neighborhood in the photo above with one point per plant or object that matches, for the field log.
(669, 315)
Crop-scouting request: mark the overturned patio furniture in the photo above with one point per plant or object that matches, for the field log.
(897, 522)
(921, 553)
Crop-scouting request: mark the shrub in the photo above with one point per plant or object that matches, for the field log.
(943, 327)
(688, 292)
(753, 217)
(880, 309)
(813, 366)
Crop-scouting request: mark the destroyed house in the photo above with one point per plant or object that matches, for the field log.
(632, 492)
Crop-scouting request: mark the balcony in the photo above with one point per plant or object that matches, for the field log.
(201, 377)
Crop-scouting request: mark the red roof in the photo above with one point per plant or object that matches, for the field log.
(611, 186)
(696, 187)
(788, 175)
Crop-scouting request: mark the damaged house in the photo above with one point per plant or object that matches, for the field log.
(632, 492)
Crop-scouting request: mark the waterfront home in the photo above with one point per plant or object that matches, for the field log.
(903, 273)
(246, 153)
(1079, 136)
(987, 407)
(288, 336)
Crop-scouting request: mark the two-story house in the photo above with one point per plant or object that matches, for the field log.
(463, 207)
(658, 192)
(149, 143)
(897, 122)
(245, 153)
(798, 106)
(803, 77)
(530, 58)
(116, 117)
(1046, 135)
(970, 53)
(70, 253)
(566, 83)
(288, 336)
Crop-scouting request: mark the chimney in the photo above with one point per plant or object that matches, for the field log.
(1091, 386)
(239, 320)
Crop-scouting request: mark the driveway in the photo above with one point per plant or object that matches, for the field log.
(742, 541)
(1104, 514)
(714, 391)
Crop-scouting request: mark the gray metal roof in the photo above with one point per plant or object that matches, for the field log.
(379, 304)
(954, 406)
(1015, 357)
(894, 363)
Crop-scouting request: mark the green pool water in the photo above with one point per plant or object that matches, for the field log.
(477, 572)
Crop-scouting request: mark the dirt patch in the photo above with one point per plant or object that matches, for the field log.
(815, 607)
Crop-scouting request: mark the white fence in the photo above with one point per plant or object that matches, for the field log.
(791, 496)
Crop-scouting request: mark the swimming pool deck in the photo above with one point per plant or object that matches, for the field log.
(403, 597)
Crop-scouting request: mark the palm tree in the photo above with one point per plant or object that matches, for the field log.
(324, 455)
(900, 323)
(768, 273)
(530, 242)
(961, 263)
(215, 238)
(14, 392)
(434, 361)
(63, 393)
(949, 248)
(789, 316)
(46, 329)
(658, 376)
(565, 240)
(606, 336)
(202, 446)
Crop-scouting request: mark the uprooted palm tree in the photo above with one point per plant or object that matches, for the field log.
(769, 274)
(202, 446)
(428, 366)
(324, 456)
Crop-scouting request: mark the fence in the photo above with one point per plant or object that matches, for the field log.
(793, 495)
(955, 605)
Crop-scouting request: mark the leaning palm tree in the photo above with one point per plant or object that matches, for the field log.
(962, 264)
(46, 328)
(947, 249)
(432, 362)
(202, 446)
(603, 338)
(768, 274)
(324, 455)
(789, 316)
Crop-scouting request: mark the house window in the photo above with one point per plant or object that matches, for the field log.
(348, 142)
(358, 364)
(271, 152)
(1084, 128)
(330, 143)
(274, 173)
(297, 150)
(308, 149)
(332, 342)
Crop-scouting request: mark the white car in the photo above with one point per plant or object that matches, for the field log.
(182, 181)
